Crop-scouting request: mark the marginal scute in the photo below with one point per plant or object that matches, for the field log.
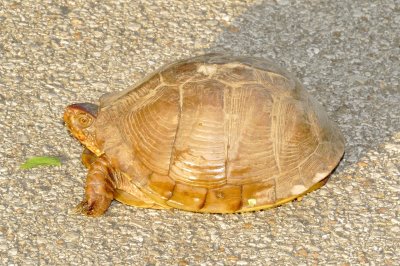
(298, 189)
(159, 188)
(187, 197)
(224, 199)
(310, 166)
(319, 176)
(286, 181)
(258, 194)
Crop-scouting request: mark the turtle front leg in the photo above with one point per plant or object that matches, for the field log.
(99, 190)
(88, 158)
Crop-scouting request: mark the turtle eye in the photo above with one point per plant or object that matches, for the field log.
(84, 120)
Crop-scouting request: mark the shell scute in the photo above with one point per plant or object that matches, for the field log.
(160, 186)
(187, 197)
(258, 194)
(198, 156)
(151, 130)
(223, 199)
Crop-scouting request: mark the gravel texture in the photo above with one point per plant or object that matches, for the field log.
(53, 53)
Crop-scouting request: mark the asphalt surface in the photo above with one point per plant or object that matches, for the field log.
(53, 53)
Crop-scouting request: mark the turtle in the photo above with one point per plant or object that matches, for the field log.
(214, 133)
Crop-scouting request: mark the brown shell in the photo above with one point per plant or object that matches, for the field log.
(219, 133)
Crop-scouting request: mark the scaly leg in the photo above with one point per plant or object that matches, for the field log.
(99, 190)
(88, 158)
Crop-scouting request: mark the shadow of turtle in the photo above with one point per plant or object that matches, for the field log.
(338, 59)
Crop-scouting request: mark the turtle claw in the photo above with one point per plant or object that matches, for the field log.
(83, 208)
(93, 209)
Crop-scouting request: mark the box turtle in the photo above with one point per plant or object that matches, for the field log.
(213, 133)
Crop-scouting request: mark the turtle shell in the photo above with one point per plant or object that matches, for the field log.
(219, 134)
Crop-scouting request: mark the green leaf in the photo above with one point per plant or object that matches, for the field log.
(40, 161)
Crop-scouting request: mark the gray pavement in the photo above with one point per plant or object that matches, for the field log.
(53, 53)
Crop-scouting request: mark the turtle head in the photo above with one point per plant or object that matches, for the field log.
(79, 119)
